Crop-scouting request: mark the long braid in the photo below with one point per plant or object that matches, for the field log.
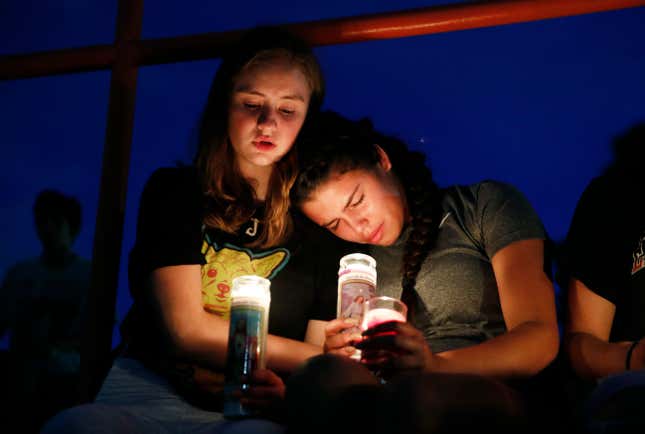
(424, 205)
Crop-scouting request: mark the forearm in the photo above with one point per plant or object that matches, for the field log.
(195, 334)
(593, 358)
(521, 352)
(285, 355)
(208, 342)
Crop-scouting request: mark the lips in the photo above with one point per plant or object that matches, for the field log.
(263, 143)
(376, 236)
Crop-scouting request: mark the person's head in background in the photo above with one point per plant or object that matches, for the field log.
(629, 155)
(268, 85)
(58, 221)
(366, 187)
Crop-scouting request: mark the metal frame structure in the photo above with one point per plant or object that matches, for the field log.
(129, 52)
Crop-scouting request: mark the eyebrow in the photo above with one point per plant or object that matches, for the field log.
(296, 97)
(349, 201)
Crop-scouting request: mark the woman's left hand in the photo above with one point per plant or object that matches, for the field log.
(266, 394)
(396, 346)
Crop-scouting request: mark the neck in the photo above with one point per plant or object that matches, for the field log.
(259, 178)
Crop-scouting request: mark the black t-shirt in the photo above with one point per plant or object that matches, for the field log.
(605, 250)
(303, 271)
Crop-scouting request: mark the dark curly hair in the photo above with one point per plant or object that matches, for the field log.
(336, 145)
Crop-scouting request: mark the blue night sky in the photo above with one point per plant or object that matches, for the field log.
(534, 104)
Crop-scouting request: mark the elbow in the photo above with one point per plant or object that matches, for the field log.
(184, 337)
(179, 341)
(551, 347)
(545, 346)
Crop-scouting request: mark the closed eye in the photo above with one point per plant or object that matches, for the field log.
(358, 202)
(332, 225)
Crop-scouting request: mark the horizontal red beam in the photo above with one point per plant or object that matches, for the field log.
(450, 18)
(438, 19)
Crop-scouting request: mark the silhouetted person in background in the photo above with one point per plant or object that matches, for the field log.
(605, 266)
(42, 302)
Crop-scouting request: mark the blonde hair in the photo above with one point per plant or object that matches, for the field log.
(230, 199)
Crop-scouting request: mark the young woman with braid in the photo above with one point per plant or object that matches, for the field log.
(467, 260)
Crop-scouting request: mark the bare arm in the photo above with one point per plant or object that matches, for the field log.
(528, 305)
(587, 335)
(194, 333)
(316, 332)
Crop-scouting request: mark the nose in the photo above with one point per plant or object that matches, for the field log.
(361, 225)
(267, 119)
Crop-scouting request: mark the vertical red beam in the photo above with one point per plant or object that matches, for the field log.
(99, 316)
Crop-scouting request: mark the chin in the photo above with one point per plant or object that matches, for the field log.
(264, 161)
(389, 238)
(385, 242)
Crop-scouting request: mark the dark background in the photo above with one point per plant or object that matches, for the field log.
(534, 104)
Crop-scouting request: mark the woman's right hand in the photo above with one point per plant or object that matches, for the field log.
(397, 346)
(339, 338)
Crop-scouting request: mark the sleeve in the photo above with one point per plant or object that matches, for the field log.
(168, 225)
(505, 216)
(589, 246)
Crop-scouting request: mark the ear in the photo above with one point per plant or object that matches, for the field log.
(384, 160)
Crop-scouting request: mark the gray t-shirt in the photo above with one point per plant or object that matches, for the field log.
(458, 301)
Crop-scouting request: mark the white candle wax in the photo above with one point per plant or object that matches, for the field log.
(374, 317)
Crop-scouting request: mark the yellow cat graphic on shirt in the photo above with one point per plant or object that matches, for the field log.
(228, 262)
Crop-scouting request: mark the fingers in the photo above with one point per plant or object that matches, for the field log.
(263, 393)
(266, 390)
(336, 326)
(339, 338)
(394, 345)
(401, 328)
(344, 351)
(266, 377)
(376, 358)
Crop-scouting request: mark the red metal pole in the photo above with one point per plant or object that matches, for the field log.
(100, 311)
(415, 22)
(450, 18)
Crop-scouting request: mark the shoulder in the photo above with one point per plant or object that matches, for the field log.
(597, 192)
(173, 178)
(482, 192)
(172, 185)
(496, 188)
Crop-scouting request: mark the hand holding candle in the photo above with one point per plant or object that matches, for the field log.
(380, 316)
(390, 344)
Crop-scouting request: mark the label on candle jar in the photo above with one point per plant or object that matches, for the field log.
(356, 285)
(247, 339)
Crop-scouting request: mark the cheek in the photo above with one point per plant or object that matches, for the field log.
(291, 128)
(238, 121)
(347, 234)
(235, 138)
